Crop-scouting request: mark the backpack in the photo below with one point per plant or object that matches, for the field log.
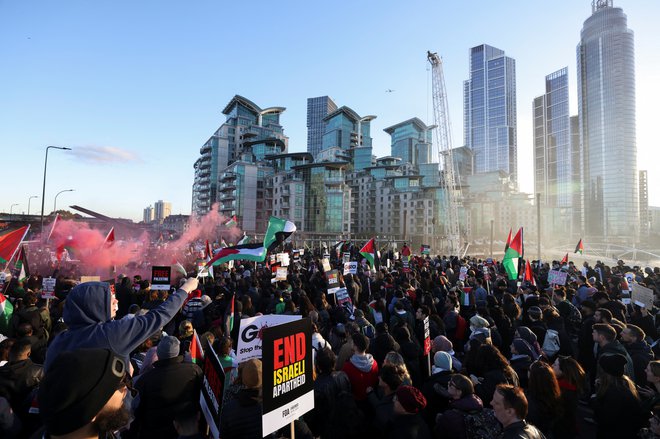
(482, 424)
(551, 343)
(369, 331)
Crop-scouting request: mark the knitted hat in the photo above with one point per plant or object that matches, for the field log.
(480, 333)
(535, 311)
(442, 360)
(523, 348)
(527, 335)
(251, 373)
(442, 343)
(613, 364)
(77, 386)
(478, 322)
(411, 399)
(168, 348)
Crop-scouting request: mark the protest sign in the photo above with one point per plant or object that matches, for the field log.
(333, 278)
(350, 267)
(281, 273)
(283, 258)
(250, 334)
(212, 390)
(288, 386)
(556, 277)
(202, 272)
(642, 296)
(427, 336)
(84, 279)
(463, 274)
(48, 288)
(301, 252)
(347, 257)
(406, 265)
(326, 264)
(160, 277)
(341, 294)
(296, 256)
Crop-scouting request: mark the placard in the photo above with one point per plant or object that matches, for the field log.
(296, 256)
(347, 257)
(250, 334)
(406, 265)
(426, 249)
(283, 258)
(463, 274)
(213, 386)
(48, 288)
(160, 277)
(341, 294)
(84, 279)
(642, 296)
(326, 264)
(333, 278)
(350, 267)
(281, 273)
(301, 251)
(427, 336)
(288, 386)
(557, 277)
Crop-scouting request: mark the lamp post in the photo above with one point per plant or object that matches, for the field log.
(359, 133)
(43, 192)
(57, 195)
(30, 199)
(11, 208)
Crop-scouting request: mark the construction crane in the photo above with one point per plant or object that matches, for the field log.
(445, 155)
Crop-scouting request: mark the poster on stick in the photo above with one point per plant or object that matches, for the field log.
(556, 277)
(48, 288)
(212, 389)
(250, 334)
(350, 267)
(160, 277)
(288, 386)
(642, 296)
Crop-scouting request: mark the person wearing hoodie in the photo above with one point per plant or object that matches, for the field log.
(89, 312)
(442, 343)
(361, 368)
(451, 424)
(522, 357)
(633, 338)
(435, 386)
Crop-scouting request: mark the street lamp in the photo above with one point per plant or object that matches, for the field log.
(11, 208)
(30, 199)
(43, 192)
(57, 195)
(359, 133)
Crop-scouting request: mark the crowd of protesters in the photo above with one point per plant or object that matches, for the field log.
(507, 359)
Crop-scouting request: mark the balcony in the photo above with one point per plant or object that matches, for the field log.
(227, 197)
(284, 205)
(206, 149)
(333, 180)
(227, 187)
(228, 176)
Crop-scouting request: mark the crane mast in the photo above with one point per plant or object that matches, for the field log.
(445, 155)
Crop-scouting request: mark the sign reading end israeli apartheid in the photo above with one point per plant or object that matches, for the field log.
(288, 388)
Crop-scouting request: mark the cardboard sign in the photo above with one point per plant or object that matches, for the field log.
(212, 390)
(426, 249)
(350, 267)
(281, 273)
(342, 296)
(202, 272)
(48, 288)
(427, 336)
(296, 256)
(326, 264)
(301, 252)
(84, 279)
(288, 386)
(347, 257)
(283, 258)
(556, 277)
(463, 274)
(642, 296)
(160, 277)
(333, 278)
(406, 265)
(250, 334)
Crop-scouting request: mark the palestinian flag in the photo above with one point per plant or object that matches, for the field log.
(508, 241)
(21, 270)
(70, 246)
(223, 243)
(208, 253)
(247, 252)
(232, 222)
(579, 247)
(6, 311)
(512, 256)
(564, 260)
(9, 243)
(339, 245)
(196, 351)
(58, 218)
(369, 252)
(230, 317)
(244, 240)
(109, 239)
(180, 268)
(278, 231)
(529, 274)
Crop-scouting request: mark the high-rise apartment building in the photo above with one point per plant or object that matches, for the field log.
(606, 108)
(148, 215)
(162, 209)
(346, 130)
(317, 109)
(556, 167)
(489, 111)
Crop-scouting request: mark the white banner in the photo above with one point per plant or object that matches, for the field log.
(249, 334)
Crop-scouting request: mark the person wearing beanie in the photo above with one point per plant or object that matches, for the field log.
(168, 385)
(82, 395)
(435, 386)
(241, 416)
(407, 422)
(528, 335)
(89, 311)
(522, 356)
(442, 343)
(617, 407)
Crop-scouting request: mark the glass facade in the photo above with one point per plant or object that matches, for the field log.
(342, 129)
(606, 104)
(411, 141)
(317, 109)
(489, 113)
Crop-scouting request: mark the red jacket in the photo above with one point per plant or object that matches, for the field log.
(362, 371)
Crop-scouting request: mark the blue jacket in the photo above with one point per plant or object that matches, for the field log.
(87, 314)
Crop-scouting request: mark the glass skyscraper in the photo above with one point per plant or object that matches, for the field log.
(606, 104)
(317, 109)
(489, 111)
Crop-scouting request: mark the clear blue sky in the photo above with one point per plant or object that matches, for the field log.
(136, 87)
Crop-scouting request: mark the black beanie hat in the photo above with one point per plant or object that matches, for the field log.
(77, 386)
(613, 364)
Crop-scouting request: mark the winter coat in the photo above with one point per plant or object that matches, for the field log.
(451, 424)
(241, 417)
(521, 430)
(383, 408)
(362, 371)
(520, 364)
(567, 425)
(17, 380)
(486, 388)
(87, 314)
(615, 347)
(618, 414)
(408, 427)
(640, 354)
(163, 390)
(381, 345)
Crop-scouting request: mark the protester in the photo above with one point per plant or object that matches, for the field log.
(407, 422)
(239, 415)
(510, 407)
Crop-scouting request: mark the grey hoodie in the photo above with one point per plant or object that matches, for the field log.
(363, 363)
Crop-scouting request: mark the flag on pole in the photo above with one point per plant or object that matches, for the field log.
(508, 241)
(579, 247)
(223, 243)
(196, 351)
(230, 318)
(247, 252)
(369, 252)
(232, 222)
(58, 218)
(208, 253)
(21, 270)
(513, 255)
(6, 311)
(109, 239)
(278, 231)
(180, 268)
(564, 260)
(9, 243)
(244, 240)
(529, 274)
